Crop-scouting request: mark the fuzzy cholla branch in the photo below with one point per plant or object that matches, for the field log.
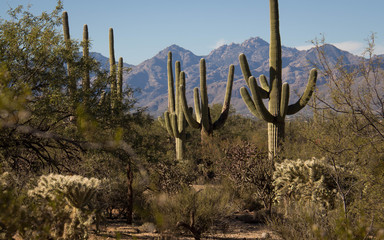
(77, 190)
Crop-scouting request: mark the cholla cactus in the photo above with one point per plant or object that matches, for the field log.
(78, 191)
(304, 181)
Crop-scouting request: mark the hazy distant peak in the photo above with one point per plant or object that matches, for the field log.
(255, 41)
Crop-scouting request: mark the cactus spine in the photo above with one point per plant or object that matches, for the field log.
(174, 119)
(67, 40)
(275, 91)
(203, 119)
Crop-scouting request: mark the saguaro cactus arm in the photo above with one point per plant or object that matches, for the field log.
(227, 100)
(119, 84)
(256, 105)
(205, 115)
(66, 27)
(167, 123)
(303, 100)
(264, 90)
(203, 118)
(196, 99)
(188, 114)
(171, 90)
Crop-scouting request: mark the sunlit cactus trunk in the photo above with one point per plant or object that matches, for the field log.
(276, 128)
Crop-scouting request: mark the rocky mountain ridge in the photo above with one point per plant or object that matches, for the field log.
(150, 76)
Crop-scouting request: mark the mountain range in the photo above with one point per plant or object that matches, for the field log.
(150, 76)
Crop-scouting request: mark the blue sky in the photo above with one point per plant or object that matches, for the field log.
(144, 27)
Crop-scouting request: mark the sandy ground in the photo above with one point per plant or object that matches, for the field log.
(238, 226)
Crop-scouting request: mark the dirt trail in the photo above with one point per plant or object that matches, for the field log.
(238, 226)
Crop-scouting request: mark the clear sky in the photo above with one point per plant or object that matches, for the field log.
(144, 27)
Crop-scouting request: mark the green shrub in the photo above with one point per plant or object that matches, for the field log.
(250, 172)
(188, 209)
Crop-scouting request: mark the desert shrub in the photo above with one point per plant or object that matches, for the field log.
(169, 176)
(249, 171)
(308, 221)
(11, 210)
(191, 210)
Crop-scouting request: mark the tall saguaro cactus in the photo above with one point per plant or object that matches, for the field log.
(67, 40)
(203, 119)
(86, 83)
(174, 118)
(275, 91)
(85, 43)
(112, 68)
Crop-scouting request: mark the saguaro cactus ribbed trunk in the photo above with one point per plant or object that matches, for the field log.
(112, 68)
(86, 83)
(174, 119)
(203, 119)
(275, 91)
(86, 79)
(67, 40)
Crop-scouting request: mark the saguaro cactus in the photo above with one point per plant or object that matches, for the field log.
(85, 43)
(86, 83)
(174, 119)
(119, 84)
(67, 40)
(275, 91)
(203, 119)
(112, 68)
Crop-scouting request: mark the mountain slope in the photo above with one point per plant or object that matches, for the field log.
(151, 75)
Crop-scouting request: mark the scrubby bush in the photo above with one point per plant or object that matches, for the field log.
(249, 171)
(192, 210)
(11, 210)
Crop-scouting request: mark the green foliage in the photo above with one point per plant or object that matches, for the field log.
(249, 171)
(190, 209)
(11, 211)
